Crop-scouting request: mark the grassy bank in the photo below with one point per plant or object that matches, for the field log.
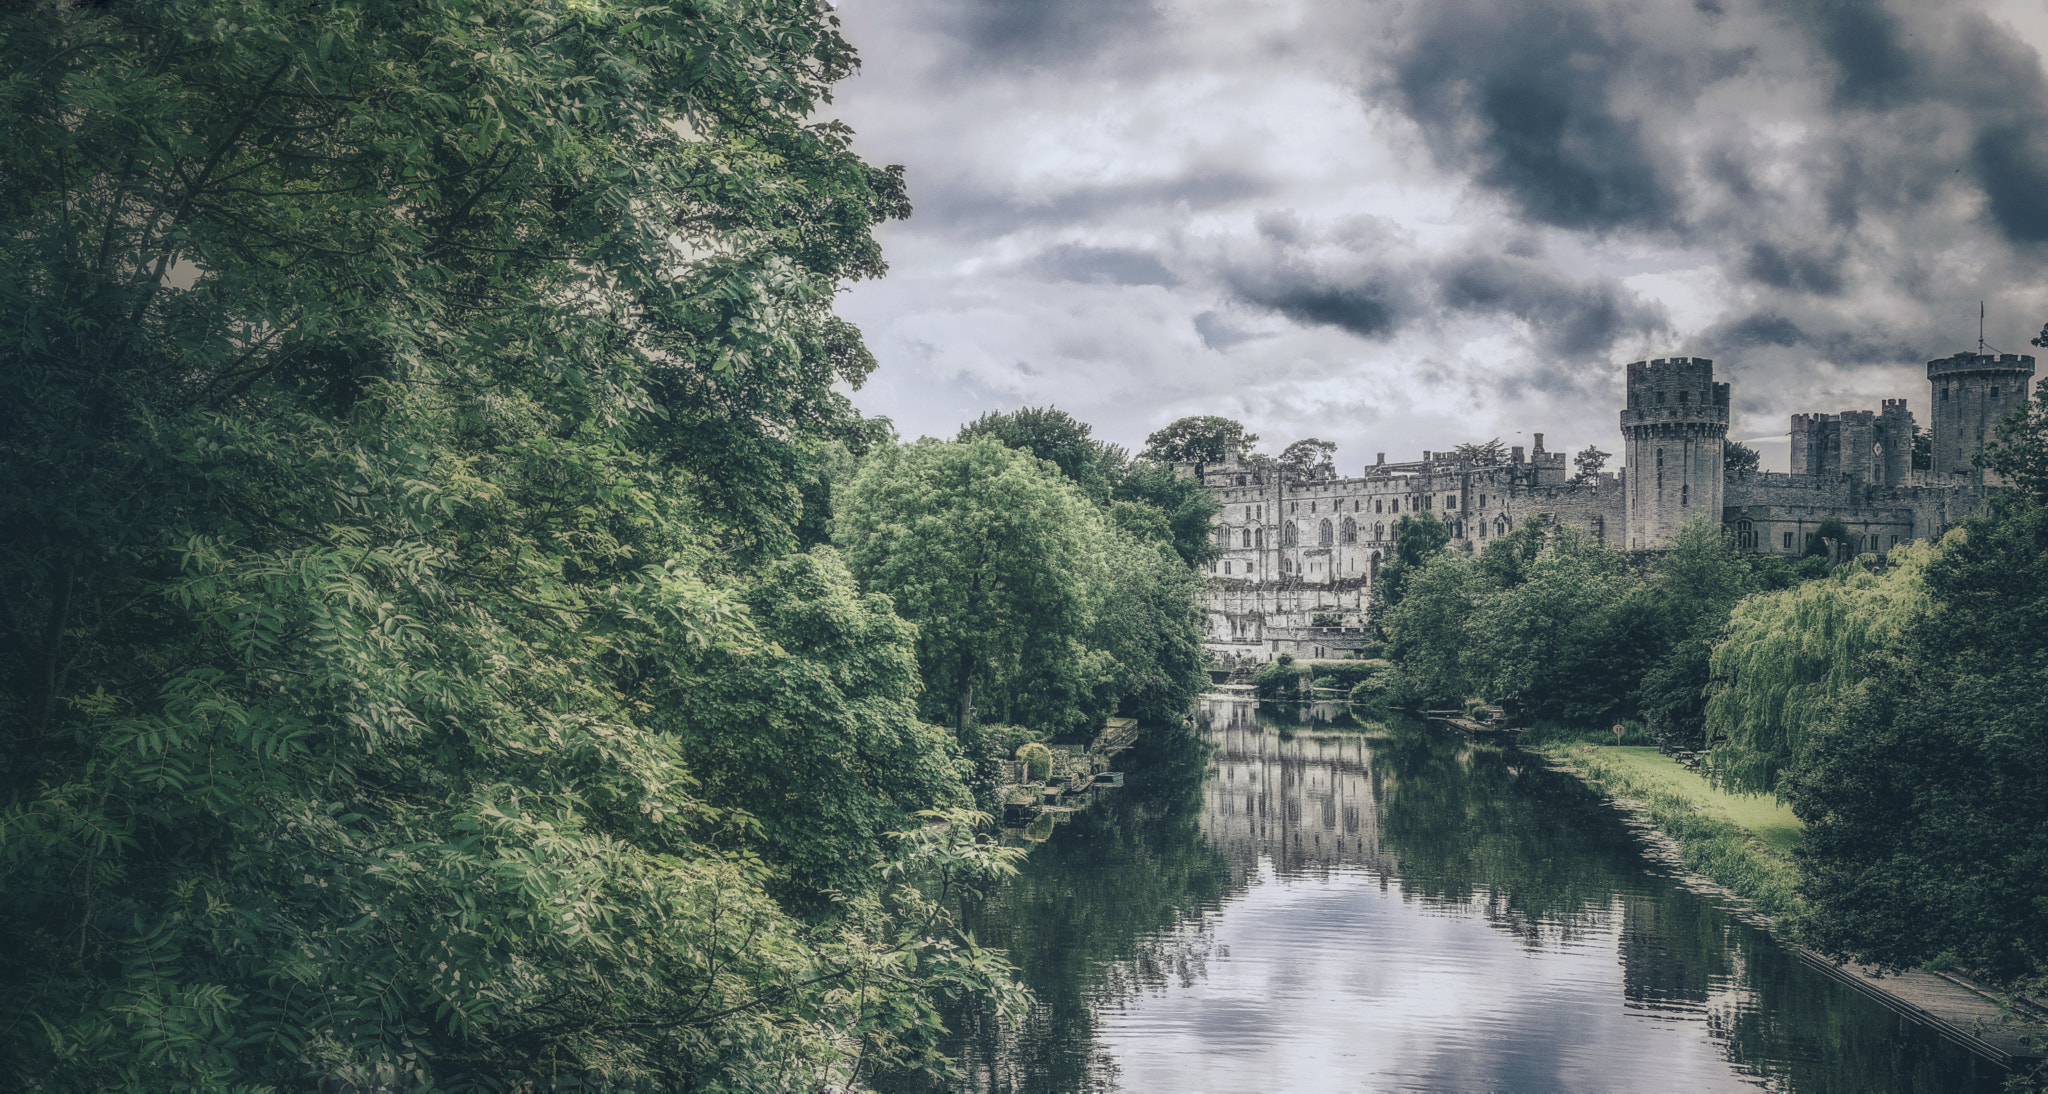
(1740, 842)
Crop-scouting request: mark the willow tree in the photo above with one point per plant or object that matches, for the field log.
(1789, 655)
(388, 392)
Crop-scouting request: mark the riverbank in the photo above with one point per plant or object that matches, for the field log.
(1742, 845)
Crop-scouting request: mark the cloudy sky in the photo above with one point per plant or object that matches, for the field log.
(1403, 224)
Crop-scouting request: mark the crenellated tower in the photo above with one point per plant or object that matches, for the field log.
(1971, 393)
(1673, 431)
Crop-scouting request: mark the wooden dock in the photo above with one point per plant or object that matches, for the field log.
(1946, 1005)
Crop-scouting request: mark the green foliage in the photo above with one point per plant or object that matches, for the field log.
(1426, 631)
(1309, 459)
(1418, 537)
(1279, 680)
(399, 398)
(1344, 674)
(1588, 462)
(1150, 496)
(1788, 655)
(1147, 618)
(1037, 761)
(1692, 589)
(1055, 436)
(1925, 792)
(1201, 439)
(812, 729)
(1569, 639)
(2019, 448)
(997, 559)
(1737, 457)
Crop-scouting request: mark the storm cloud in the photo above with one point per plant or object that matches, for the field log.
(1397, 225)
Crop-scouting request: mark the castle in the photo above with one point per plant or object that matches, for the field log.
(1297, 557)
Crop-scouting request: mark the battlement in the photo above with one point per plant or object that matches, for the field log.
(1981, 362)
(1893, 406)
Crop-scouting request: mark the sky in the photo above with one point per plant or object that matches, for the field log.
(1405, 225)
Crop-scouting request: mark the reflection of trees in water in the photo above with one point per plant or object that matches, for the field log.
(1092, 919)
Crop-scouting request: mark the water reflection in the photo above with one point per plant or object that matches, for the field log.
(1300, 901)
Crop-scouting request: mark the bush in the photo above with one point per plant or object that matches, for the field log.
(1371, 689)
(1346, 674)
(1278, 679)
(1037, 762)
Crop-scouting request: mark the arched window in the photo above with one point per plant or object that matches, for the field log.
(1393, 505)
(1288, 534)
(1247, 537)
(1324, 536)
(1379, 531)
(1258, 537)
(1745, 535)
(1376, 505)
(1350, 530)
(1223, 538)
(1500, 526)
(1372, 567)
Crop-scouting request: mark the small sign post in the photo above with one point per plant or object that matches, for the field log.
(1619, 731)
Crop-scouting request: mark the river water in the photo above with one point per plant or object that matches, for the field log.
(1290, 901)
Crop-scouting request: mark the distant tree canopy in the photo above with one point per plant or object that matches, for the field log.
(1589, 461)
(2019, 447)
(1203, 439)
(1310, 459)
(1055, 436)
(1482, 452)
(1738, 457)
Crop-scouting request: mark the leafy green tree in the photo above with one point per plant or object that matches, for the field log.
(1588, 463)
(1789, 655)
(2019, 447)
(1426, 630)
(996, 558)
(1568, 639)
(1202, 439)
(394, 392)
(1309, 459)
(1925, 792)
(812, 730)
(1737, 457)
(1691, 589)
(1149, 619)
(1055, 436)
(1180, 508)
(1418, 537)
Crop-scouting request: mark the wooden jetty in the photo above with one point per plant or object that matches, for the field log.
(1946, 1004)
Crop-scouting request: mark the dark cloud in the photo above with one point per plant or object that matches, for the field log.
(1525, 96)
(1218, 333)
(1574, 319)
(1795, 268)
(1865, 44)
(1105, 266)
(1366, 306)
(1053, 33)
(2011, 163)
(965, 207)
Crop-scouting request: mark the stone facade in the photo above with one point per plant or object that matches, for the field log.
(1297, 558)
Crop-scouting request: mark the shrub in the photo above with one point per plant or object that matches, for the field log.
(1346, 674)
(1037, 761)
(1278, 679)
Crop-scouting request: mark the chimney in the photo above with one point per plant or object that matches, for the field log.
(1539, 444)
(1381, 461)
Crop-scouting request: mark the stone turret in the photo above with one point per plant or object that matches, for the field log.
(1971, 392)
(1673, 432)
(1895, 429)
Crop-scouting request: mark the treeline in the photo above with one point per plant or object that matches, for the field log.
(1898, 702)
(460, 636)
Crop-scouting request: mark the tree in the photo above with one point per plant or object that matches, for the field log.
(1203, 439)
(996, 558)
(1426, 630)
(1737, 457)
(1789, 655)
(1568, 638)
(1309, 459)
(1418, 537)
(1589, 461)
(1692, 588)
(1054, 436)
(398, 395)
(2019, 447)
(1487, 453)
(1151, 494)
(1149, 619)
(1925, 792)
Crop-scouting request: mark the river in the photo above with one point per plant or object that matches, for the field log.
(1290, 901)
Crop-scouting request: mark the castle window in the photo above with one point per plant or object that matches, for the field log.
(1323, 534)
(1685, 495)
(1994, 393)
(1482, 501)
(1375, 505)
(1311, 507)
(1685, 396)
(1287, 534)
(1240, 480)
(1223, 538)
(1660, 398)
(1258, 537)
(1428, 501)
(1450, 501)
(1350, 530)
(1247, 537)
(1788, 541)
(1500, 526)
(1393, 505)
(1247, 514)
(1944, 395)
(1379, 532)
(1226, 568)
(1294, 507)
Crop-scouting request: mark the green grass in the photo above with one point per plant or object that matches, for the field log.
(1742, 843)
(1765, 817)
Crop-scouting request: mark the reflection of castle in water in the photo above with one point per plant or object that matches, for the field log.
(1305, 802)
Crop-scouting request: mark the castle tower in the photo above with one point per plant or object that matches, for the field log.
(1672, 430)
(1972, 392)
(1895, 428)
